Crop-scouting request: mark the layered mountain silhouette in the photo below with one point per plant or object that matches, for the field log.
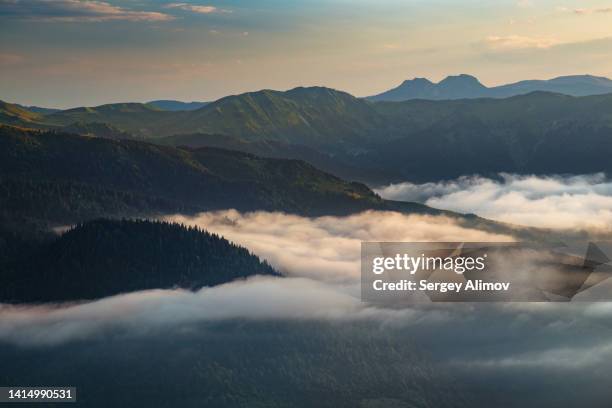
(538, 133)
(452, 87)
(63, 178)
(466, 87)
(138, 160)
(374, 142)
(311, 116)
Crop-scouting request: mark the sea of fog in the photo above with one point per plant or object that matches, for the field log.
(559, 202)
(547, 348)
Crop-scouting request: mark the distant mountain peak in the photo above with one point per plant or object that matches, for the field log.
(460, 86)
(465, 86)
(460, 76)
(586, 78)
(314, 90)
(582, 76)
(416, 84)
(417, 80)
(451, 87)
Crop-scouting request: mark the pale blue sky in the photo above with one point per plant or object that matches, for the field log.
(73, 52)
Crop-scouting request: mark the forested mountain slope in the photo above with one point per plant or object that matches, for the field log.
(104, 257)
(65, 178)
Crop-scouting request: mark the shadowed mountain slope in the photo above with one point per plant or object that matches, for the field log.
(68, 178)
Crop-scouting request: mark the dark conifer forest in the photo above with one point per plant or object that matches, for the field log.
(107, 257)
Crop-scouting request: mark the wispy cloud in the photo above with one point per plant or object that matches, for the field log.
(514, 42)
(255, 298)
(328, 248)
(10, 59)
(200, 9)
(75, 11)
(319, 256)
(524, 3)
(585, 11)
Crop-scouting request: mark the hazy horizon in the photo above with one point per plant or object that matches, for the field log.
(68, 53)
(170, 98)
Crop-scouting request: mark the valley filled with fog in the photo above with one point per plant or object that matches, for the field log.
(556, 202)
(293, 204)
(457, 350)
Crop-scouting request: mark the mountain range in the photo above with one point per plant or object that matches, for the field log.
(67, 178)
(373, 142)
(267, 150)
(310, 116)
(467, 87)
(538, 133)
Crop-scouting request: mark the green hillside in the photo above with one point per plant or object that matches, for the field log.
(431, 140)
(12, 114)
(312, 116)
(137, 118)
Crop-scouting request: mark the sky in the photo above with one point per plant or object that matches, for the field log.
(67, 53)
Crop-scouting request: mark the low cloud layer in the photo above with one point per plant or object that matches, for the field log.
(518, 42)
(517, 336)
(140, 312)
(328, 248)
(579, 202)
(500, 344)
(586, 11)
(319, 256)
